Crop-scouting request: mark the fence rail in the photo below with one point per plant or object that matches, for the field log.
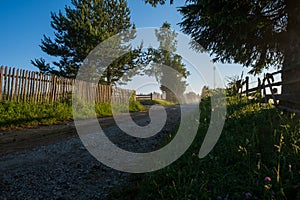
(20, 85)
(144, 96)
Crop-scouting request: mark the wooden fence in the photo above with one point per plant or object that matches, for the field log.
(26, 86)
(140, 97)
(269, 83)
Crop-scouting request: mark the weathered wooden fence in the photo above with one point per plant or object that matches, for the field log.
(270, 83)
(91, 92)
(20, 85)
(144, 96)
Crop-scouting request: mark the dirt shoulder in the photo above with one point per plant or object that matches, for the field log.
(21, 140)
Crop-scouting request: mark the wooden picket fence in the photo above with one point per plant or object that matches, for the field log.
(20, 85)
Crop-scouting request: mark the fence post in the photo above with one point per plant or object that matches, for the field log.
(27, 81)
(39, 86)
(22, 92)
(1, 75)
(17, 86)
(269, 78)
(5, 83)
(53, 89)
(247, 86)
(13, 84)
(258, 85)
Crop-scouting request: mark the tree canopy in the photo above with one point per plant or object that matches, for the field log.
(254, 33)
(249, 32)
(171, 79)
(156, 2)
(77, 32)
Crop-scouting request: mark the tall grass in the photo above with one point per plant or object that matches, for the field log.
(256, 157)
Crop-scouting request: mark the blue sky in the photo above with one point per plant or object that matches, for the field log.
(23, 24)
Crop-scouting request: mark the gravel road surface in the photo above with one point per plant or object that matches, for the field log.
(51, 162)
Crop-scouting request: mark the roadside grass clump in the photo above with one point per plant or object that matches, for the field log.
(26, 115)
(256, 157)
(21, 115)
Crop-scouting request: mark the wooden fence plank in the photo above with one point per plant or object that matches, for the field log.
(31, 98)
(26, 86)
(36, 87)
(8, 84)
(5, 83)
(1, 82)
(38, 92)
(47, 89)
(17, 86)
(22, 83)
(13, 75)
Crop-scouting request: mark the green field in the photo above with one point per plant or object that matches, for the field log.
(256, 157)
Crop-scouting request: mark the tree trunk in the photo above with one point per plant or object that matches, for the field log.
(290, 98)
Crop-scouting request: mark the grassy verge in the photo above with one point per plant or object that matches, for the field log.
(256, 157)
(158, 101)
(26, 115)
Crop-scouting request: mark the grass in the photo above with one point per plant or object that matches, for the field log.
(158, 101)
(26, 115)
(256, 157)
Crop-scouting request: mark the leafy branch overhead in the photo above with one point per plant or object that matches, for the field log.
(256, 34)
(154, 3)
(252, 33)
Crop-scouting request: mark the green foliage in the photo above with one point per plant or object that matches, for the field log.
(232, 85)
(14, 115)
(246, 32)
(154, 3)
(256, 157)
(205, 92)
(25, 115)
(172, 81)
(254, 33)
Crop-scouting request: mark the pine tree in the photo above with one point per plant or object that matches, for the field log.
(77, 32)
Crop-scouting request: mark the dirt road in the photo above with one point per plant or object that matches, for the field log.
(51, 162)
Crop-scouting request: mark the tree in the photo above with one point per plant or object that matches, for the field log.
(258, 34)
(170, 79)
(205, 92)
(85, 25)
(192, 97)
(233, 85)
(155, 2)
